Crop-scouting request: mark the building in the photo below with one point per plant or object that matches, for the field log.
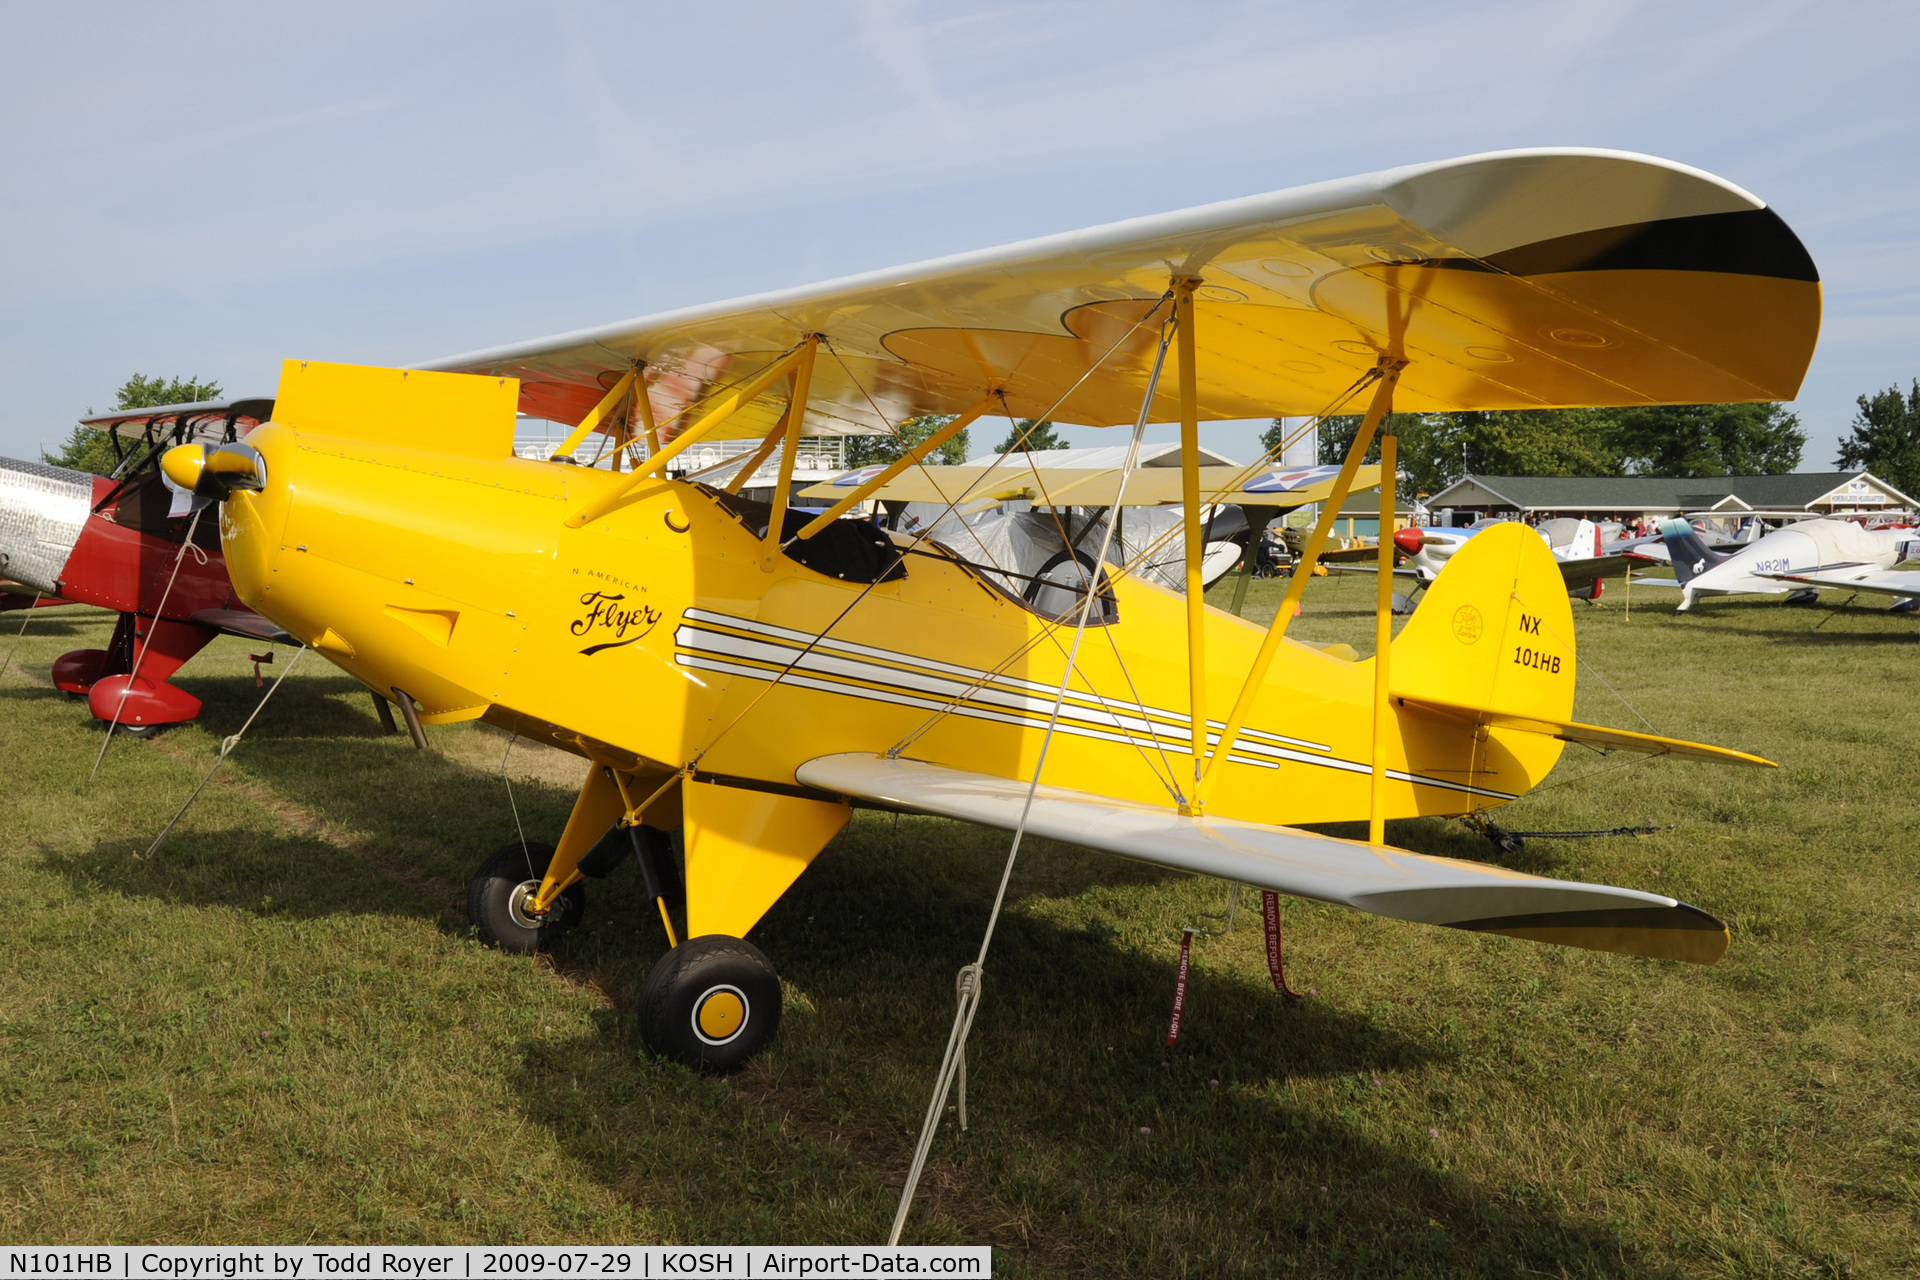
(1777, 499)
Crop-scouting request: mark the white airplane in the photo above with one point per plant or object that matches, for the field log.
(1581, 547)
(1771, 566)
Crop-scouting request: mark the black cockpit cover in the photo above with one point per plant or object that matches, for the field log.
(848, 550)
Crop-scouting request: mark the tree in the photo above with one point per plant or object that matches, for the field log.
(1037, 436)
(1886, 437)
(866, 451)
(1708, 439)
(88, 449)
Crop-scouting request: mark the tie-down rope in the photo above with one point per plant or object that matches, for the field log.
(140, 658)
(953, 1062)
(227, 744)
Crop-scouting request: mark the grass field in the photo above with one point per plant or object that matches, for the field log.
(279, 1029)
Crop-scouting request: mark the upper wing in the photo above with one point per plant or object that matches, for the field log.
(1097, 487)
(1518, 279)
(208, 420)
(1373, 878)
(1890, 582)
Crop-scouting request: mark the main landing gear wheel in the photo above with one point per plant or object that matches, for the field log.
(500, 894)
(710, 1003)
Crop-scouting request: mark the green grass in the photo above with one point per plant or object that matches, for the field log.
(279, 1028)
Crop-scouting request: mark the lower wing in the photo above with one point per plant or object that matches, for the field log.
(1402, 572)
(241, 622)
(1889, 582)
(1372, 878)
(1583, 573)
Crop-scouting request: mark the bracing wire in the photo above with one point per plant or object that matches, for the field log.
(815, 641)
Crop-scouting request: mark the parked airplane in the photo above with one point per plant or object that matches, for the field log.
(1578, 547)
(1819, 546)
(750, 674)
(117, 544)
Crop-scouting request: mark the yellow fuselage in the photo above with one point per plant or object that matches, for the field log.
(652, 637)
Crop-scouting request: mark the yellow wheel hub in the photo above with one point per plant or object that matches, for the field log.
(720, 1014)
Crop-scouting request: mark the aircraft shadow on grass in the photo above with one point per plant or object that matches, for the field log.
(1067, 1049)
(1068, 1056)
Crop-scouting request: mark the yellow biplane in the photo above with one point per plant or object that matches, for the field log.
(751, 674)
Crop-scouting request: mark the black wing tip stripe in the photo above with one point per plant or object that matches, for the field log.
(1751, 242)
(1679, 932)
(1680, 916)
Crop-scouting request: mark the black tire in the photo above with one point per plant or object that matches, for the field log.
(710, 1004)
(140, 732)
(495, 892)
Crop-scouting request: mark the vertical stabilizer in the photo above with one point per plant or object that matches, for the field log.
(1691, 556)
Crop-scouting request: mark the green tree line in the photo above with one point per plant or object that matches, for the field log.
(1436, 449)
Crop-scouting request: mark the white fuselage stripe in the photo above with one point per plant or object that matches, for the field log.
(706, 649)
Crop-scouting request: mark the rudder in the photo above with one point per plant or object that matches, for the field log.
(1495, 631)
(1691, 556)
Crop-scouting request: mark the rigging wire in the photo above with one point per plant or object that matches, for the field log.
(900, 553)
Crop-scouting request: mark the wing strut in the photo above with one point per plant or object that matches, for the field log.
(1382, 630)
(726, 408)
(1195, 536)
(911, 458)
(796, 414)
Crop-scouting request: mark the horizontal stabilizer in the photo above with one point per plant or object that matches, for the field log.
(1592, 735)
(1372, 878)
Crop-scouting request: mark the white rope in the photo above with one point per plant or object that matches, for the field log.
(227, 744)
(140, 658)
(971, 977)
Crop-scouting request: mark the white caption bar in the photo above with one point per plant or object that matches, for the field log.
(462, 1262)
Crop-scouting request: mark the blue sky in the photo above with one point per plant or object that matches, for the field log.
(205, 188)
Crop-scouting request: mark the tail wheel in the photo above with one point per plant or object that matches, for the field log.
(501, 894)
(710, 1004)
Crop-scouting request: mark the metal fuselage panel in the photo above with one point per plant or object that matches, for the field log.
(656, 634)
(42, 511)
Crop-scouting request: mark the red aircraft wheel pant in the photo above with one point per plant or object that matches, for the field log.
(146, 698)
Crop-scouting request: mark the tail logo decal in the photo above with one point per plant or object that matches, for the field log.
(1468, 625)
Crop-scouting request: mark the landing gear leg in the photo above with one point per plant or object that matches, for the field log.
(710, 1004)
